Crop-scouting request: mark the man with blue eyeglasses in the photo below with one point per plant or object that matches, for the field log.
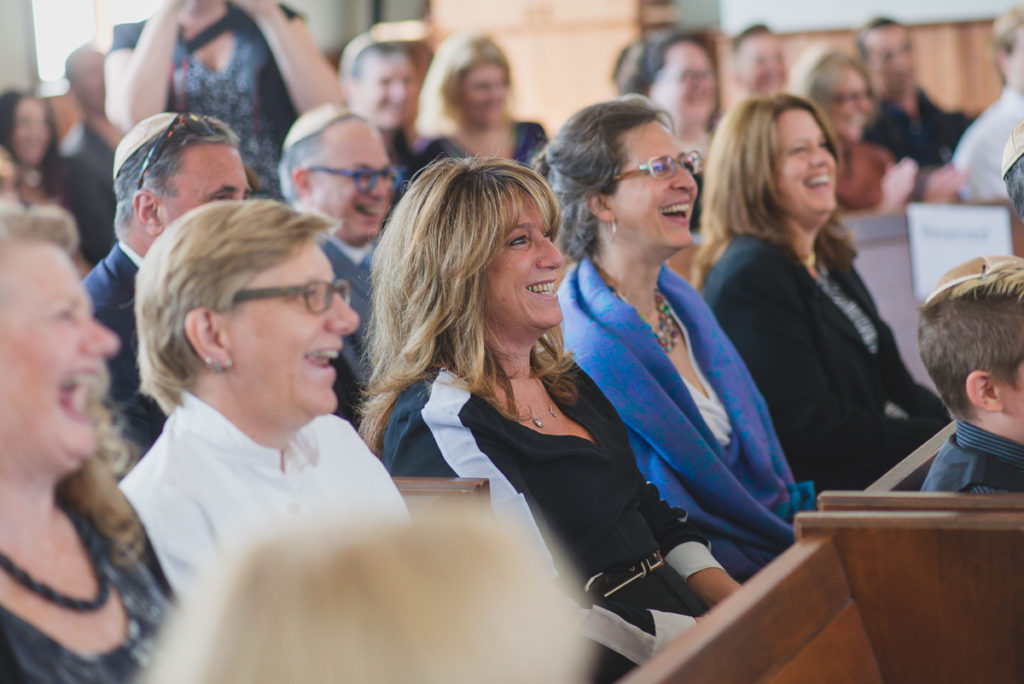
(336, 164)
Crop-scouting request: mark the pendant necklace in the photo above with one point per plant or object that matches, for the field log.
(537, 421)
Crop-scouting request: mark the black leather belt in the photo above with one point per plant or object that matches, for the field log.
(607, 583)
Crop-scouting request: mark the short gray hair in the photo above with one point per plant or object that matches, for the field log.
(161, 173)
(303, 151)
(1014, 180)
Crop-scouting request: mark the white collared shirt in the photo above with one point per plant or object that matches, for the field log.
(980, 150)
(134, 256)
(205, 487)
(355, 254)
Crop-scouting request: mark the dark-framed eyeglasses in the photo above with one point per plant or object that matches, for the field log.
(364, 179)
(666, 167)
(858, 96)
(317, 295)
(200, 125)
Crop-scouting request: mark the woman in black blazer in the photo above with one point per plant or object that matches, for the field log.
(777, 270)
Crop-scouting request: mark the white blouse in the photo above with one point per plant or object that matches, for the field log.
(205, 486)
(711, 408)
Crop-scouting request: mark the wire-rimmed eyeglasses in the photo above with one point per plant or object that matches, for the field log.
(666, 167)
(194, 123)
(317, 295)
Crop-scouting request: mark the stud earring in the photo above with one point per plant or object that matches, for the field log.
(218, 366)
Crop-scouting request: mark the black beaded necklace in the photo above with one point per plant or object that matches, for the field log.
(91, 544)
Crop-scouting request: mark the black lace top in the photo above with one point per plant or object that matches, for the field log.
(41, 659)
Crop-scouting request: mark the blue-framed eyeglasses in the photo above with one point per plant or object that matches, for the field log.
(317, 295)
(666, 167)
(364, 179)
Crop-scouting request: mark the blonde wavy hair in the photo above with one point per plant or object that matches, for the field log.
(429, 287)
(448, 598)
(741, 196)
(92, 490)
(440, 97)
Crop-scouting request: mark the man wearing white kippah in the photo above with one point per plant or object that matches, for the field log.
(335, 163)
(165, 166)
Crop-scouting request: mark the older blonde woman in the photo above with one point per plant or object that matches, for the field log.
(470, 379)
(80, 600)
(464, 104)
(777, 270)
(239, 317)
(445, 599)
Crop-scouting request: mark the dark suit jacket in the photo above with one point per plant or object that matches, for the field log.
(111, 285)
(351, 364)
(90, 193)
(930, 141)
(825, 390)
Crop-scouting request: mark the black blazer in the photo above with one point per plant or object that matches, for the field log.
(351, 366)
(825, 390)
(111, 285)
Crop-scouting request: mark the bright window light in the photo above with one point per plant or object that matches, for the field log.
(124, 11)
(63, 25)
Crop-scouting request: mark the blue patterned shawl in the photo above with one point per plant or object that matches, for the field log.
(743, 496)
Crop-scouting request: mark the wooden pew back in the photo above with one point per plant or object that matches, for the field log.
(940, 594)
(794, 621)
(421, 493)
(868, 597)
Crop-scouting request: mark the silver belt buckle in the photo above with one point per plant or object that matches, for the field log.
(645, 568)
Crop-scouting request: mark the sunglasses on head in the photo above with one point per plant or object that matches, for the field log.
(200, 125)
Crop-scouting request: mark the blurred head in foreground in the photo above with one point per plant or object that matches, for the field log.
(447, 599)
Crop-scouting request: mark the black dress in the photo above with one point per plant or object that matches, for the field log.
(589, 498)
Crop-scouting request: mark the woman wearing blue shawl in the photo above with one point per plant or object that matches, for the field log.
(700, 429)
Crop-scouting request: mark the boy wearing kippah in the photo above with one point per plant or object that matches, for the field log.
(971, 339)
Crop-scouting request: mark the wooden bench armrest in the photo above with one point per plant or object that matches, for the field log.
(909, 474)
(446, 487)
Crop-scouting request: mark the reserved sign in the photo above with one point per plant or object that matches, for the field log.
(945, 235)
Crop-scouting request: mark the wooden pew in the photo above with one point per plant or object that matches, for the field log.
(868, 597)
(421, 493)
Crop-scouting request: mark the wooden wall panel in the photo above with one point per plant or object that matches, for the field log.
(952, 61)
(562, 52)
(559, 71)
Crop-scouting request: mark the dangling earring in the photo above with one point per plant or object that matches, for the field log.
(610, 236)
